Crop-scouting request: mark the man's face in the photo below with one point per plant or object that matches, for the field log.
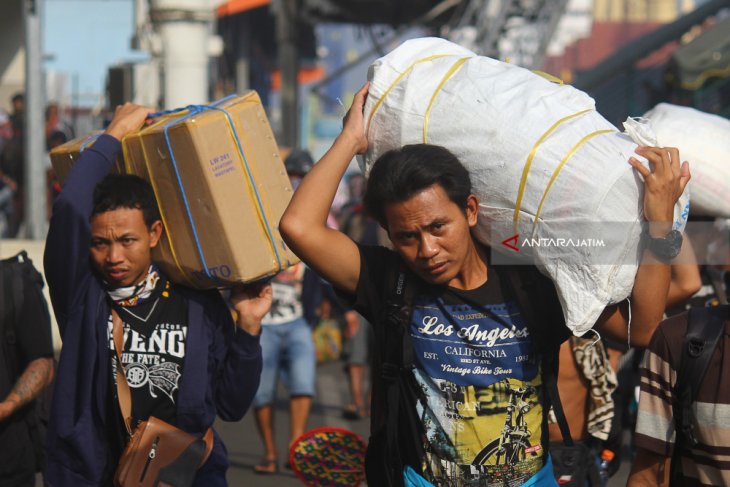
(432, 233)
(121, 245)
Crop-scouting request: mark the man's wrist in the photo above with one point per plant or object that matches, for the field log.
(116, 133)
(665, 247)
(347, 142)
(659, 229)
(250, 326)
(8, 407)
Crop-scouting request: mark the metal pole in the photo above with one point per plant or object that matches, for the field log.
(287, 23)
(34, 186)
(183, 26)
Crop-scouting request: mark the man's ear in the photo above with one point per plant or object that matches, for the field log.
(472, 210)
(155, 233)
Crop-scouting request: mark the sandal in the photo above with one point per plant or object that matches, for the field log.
(351, 412)
(267, 467)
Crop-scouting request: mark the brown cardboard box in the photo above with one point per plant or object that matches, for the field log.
(220, 206)
(65, 156)
(220, 202)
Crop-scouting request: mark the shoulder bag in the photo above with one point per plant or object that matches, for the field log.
(158, 453)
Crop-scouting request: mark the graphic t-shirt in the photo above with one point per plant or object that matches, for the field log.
(482, 406)
(287, 296)
(153, 353)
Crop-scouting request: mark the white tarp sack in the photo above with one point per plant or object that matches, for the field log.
(547, 168)
(704, 140)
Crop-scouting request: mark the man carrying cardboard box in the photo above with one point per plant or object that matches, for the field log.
(184, 359)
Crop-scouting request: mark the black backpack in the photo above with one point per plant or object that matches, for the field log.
(18, 275)
(705, 328)
(397, 435)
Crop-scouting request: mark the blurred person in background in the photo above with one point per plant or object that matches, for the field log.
(26, 370)
(588, 387)
(58, 131)
(286, 342)
(12, 165)
(7, 185)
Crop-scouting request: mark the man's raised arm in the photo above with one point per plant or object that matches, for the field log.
(663, 185)
(66, 257)
(330, 253)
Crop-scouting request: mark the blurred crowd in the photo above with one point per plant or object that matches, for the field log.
(58, 131)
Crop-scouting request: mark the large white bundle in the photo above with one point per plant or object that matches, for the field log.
(532, 147)
(704, 140)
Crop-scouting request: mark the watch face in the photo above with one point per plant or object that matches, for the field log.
(667, 248)
(675, 241)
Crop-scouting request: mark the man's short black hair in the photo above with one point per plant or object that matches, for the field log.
(117, 191)
(399, 174)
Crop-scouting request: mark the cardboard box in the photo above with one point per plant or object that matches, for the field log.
(221, 187)
(65, 156)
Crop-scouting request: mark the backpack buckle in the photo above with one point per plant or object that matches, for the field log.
(394, 315)
(695, 346)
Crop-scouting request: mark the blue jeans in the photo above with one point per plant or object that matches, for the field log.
(288, 352)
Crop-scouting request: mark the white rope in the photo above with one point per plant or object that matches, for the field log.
(628, 340)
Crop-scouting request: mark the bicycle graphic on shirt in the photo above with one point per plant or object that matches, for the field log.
(512, 446)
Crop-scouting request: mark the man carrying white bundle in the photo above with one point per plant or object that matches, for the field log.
(461, 378)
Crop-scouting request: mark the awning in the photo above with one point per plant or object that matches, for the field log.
(237, 6)
(307, 75)
(707, 56)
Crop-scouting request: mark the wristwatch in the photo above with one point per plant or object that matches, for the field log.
(666, 248)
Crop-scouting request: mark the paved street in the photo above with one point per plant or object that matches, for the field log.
(246, 450)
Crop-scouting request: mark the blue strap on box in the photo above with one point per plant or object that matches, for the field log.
(195, 109)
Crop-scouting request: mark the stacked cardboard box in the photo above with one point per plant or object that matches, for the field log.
(221, 187)
(65, 156)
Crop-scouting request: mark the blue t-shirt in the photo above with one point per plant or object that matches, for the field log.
(482, 402)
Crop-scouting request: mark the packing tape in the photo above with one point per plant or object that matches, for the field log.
(563, 161)
(88, 141)
(186, 113)
(165, 226)
(396, 81)
(548, 76)
(531, 156)
(458, 64)
(193, 110)
(252, 186)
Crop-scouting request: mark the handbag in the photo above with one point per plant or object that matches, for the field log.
(158, 453)
(574, 465)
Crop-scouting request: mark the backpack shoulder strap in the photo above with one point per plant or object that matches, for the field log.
(396, 356)
(549, 330)
(10, 315)
(401, 291)
(705, 327)
(18, 290)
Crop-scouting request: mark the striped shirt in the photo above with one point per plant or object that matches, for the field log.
(709, 462)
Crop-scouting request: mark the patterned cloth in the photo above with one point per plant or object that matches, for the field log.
(593, 365)
(592, 360)
(329, 457)
(134, 295)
